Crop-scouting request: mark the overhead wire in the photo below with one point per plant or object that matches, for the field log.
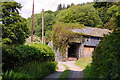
(49, 4)
(54, 4)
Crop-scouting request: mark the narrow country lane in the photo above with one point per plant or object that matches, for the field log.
(76, 72)
(58, 72)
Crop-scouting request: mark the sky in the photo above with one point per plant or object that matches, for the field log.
(26, 10)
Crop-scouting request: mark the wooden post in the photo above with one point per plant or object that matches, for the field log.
(43, 26)
(32, 31)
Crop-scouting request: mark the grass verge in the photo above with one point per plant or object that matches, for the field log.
(31, 70)
(83, 62)
(65, 73)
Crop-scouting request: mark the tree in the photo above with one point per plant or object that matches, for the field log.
(102, 8)
(59, 7)
(14, 26)
(64, 6)
(112, 17)
(85, 14)
(68, 6)
(72, 4)
(118, 15)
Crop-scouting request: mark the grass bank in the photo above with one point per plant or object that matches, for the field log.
(32, 70)
(83, 62)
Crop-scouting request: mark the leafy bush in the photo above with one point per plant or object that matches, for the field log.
(46, 52)
(9, 58)
(18, 56)
(31, 70)
(106, 58)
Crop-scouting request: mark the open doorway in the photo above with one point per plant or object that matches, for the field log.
(73, 51)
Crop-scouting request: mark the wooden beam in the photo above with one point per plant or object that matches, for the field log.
(32, 31)
(43, 41)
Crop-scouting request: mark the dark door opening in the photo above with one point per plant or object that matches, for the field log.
(73, 50)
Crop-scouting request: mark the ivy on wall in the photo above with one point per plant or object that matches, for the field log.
(62, 35)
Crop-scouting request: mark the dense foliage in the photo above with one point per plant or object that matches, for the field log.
(108, 12)
(14, 28)
(17, 56)
(81, 14)
(102, 8)
(106, 58)
(46, 53)
(111, 14)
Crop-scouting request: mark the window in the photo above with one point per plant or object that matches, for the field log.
(87, 39)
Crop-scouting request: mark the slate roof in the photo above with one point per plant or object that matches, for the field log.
(97, 32)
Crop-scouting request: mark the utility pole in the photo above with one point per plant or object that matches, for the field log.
(43, 26)
(32, 31)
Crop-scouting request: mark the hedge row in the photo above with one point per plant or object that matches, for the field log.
(18, 56)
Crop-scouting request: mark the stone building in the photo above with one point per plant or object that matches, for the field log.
(82, 48)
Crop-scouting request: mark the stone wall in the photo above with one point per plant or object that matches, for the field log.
(58, 55)
(81, 50)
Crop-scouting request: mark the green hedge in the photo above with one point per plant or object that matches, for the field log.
(18, 56)
(106, 58)
(9, 58)
(47, 53)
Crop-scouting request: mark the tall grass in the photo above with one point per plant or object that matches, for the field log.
(83, 62)
(32, 70)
